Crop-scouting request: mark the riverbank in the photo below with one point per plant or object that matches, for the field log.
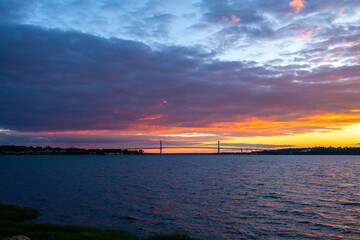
(13, 222)
(24, 150)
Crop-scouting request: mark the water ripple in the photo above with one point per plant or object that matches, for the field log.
(213, 197)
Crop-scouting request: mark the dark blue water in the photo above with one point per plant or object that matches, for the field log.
(206, 196)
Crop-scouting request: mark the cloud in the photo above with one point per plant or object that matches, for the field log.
(297, 5)
(107, 18)
(351, 43)
(232, 19)
(62, 83)
(39, 140)
(264, 23)
(304, 34)
(307, 34)
(246, 145)
(77, 81)
(170, 23)
(155, 26)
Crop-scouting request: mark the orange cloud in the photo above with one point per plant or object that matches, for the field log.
(163, 102)
(304, 35)
(258, 127)
(151, 118)
(232, 19)
(248, 127)
(250, 130)
(297, 5)
(351, 43)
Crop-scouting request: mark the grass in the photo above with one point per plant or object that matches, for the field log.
(12, 223)
(16, 213)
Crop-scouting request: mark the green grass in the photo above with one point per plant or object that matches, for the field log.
(16, 213)
(12, 223)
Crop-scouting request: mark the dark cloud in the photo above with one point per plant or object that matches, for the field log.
(62, 86)
(56, 80)
(14, 11)
(68, 139)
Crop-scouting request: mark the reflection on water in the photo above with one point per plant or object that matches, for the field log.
(215, 197)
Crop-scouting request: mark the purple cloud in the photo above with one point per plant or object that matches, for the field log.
(63, 79)
(59, 80)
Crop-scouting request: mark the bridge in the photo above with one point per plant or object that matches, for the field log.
(214, 146)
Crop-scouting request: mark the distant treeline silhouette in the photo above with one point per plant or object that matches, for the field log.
(313, 151)
(24, 150)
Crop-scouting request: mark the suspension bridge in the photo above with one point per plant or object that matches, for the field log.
(161, 145)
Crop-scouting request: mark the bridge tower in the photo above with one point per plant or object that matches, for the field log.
(160, 146)
(218, 147)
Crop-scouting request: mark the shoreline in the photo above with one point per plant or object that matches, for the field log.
(14, 220)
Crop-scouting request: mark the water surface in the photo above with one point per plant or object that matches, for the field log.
(206, 196)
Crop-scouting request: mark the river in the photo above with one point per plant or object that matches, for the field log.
(205, 196)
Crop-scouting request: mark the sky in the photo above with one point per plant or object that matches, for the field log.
(248, 73)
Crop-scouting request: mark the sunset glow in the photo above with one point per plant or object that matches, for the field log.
(190, 73)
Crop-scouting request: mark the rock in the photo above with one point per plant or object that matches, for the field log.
(20, 237)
